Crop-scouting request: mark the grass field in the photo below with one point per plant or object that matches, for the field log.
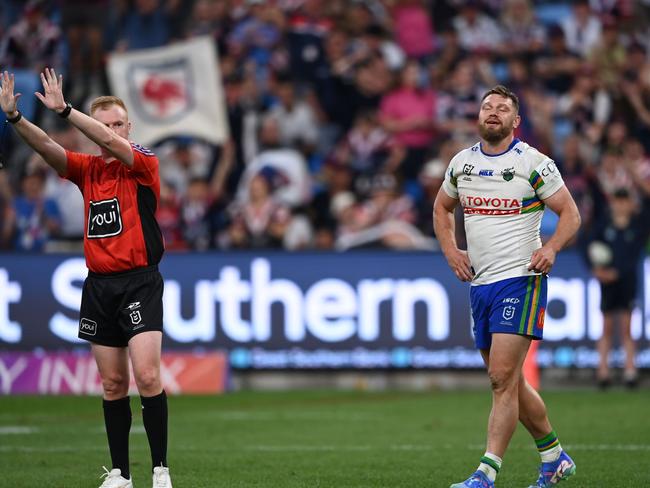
(324, 439)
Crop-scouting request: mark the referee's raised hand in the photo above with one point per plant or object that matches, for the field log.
(8, 100)
(52, 96)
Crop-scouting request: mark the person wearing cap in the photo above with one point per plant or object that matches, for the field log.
(614, 250)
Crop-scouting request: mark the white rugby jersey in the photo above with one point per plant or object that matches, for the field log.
(501, 196)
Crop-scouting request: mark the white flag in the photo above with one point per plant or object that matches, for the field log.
(171, 91)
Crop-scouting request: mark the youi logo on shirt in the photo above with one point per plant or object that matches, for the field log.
(104, 219)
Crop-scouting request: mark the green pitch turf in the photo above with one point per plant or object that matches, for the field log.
(324, 439)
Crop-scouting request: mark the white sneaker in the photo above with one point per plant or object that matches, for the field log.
(161, 477)
(114, 479)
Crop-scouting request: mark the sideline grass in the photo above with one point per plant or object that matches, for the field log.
(324, 439)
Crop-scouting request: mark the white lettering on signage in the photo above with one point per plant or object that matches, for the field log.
(9, 374)
(65, 292)
(10, 292)
(330, 309)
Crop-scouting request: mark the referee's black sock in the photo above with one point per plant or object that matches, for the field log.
(154, 418)
(117, 417)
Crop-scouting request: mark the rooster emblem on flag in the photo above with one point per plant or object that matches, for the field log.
(162, 92)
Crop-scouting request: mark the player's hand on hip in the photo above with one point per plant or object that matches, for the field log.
(8, 101)
(460, 264)
(542, 260)
(52, 96)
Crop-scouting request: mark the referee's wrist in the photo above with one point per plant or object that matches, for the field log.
(14, 117)
(65, 113)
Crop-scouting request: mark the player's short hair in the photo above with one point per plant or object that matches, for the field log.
(105, 102)
(504, 92)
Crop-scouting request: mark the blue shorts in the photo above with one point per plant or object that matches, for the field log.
(512, 306)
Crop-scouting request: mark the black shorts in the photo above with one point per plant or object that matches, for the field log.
(620, 295)
(116, 307)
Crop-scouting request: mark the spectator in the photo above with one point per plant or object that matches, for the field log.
(195, 221)
(33, 42)
(210, 18)
(375, 39)
(586, 106)
(296, 118)
(413, 29)
(84, 23)
(450, 54)
(637, 94)
(307, 29)
(35, 218)
(369, 148)
(254, 37)
(385, 220)
(582, 29)
(169, 217)
(182, 160)
(430, 179)
(607, 56)
(522, 33)
(292, 182)
(459, 101)
(477, 32)
(146, 26)
(259, 221)
(556, 65)
(408, 114)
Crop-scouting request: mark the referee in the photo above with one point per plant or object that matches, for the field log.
(121, 306)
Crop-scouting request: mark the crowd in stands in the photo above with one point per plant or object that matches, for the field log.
(343, 114)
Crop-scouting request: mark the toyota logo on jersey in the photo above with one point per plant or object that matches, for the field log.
(490, 205)
(104, 219)
(162, 92)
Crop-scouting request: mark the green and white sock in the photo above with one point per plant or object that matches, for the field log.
(490, 465)
(549, 447)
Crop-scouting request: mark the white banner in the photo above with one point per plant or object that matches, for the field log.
(171, 91)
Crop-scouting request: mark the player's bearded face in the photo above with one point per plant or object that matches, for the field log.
(497, 119)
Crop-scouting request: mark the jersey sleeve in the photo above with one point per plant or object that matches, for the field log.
(145, 165)
(76, 165)
(450, 184)
(545, 177)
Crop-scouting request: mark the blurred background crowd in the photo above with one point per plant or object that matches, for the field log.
(343, 114)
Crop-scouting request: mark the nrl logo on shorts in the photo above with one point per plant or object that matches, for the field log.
(136, 317)
(162, 92)
(509, 312)
(508, 174)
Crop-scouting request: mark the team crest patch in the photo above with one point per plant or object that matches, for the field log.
(508, 174)
(136, 317)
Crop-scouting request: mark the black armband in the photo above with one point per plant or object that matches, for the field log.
(65, 113)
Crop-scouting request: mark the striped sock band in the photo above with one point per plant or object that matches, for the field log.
(490, 465)
(549, 447)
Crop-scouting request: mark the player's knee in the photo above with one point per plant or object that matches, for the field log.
(502, 379)
(115, 386)
(148, 379)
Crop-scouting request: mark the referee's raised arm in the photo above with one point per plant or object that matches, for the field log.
(110, 133)
(34, 136)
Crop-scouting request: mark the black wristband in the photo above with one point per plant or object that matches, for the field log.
(15, 119)
(66, 111)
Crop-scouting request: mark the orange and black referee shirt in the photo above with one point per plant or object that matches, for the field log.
(119, 205)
